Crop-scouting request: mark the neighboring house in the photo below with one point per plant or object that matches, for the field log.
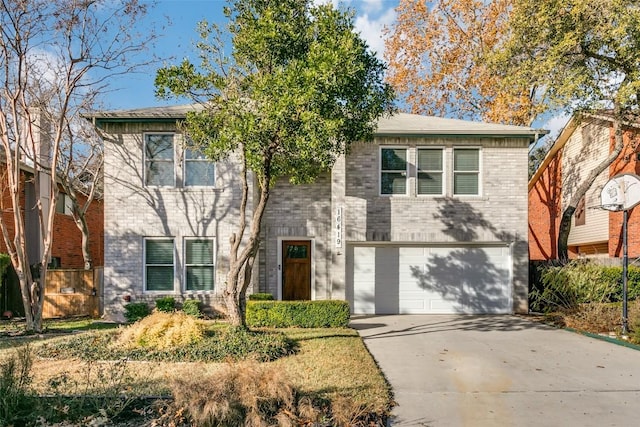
(66, 250)
(431, 217)
(595, 232)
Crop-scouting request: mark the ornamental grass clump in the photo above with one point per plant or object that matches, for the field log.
(163, 331)
(247, 394)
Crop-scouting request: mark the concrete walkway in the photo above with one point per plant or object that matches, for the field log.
(501, 371)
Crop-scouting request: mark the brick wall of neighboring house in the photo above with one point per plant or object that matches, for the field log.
(67, 237)
(627, 162)
(545, 212)
(5, 207)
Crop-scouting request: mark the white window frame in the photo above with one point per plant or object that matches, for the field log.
(67, 204)
(187, 265)
(145, 160)
(443, 172)
(478, 172)
(381, 171)
(185, 165)
(145, 264)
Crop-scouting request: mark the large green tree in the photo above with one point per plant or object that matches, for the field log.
(586, 54)
(297, 88)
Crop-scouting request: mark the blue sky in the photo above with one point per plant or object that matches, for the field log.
(179, 19)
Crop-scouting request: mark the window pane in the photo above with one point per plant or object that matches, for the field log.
(159, 278)
(430, 160)
(199, 251)
(200, 278)
(199, 173)
(465, 183)
(297, 251)
(160, 173)
(430, 183)
(466, 160)
(393, 183)
(194, 154)
(159, 147)
(159, 169)
(159, 251)
(394, 159)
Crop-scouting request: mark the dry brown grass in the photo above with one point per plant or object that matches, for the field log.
(599, 318)
(246, 393)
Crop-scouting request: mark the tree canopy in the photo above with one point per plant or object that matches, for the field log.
(298, 88)
(439, 61)
(586, 54)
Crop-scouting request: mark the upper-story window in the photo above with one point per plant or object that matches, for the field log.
(393, 171)
(466, 171)
(430, 171)
(159, 159)
(64, 205)
(198, 170)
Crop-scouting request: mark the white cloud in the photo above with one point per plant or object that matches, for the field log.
(371, 29)
(372, 16)
(371, 6)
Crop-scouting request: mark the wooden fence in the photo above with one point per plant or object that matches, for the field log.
(73, 293)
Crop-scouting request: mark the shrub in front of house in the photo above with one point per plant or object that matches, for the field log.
(163, 331)
(261, 296)
(135, 311)
(192, 307)
(166, 304)
(298, 314)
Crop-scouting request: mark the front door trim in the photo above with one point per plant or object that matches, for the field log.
(313, 263)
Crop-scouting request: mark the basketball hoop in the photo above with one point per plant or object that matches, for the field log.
(620, 193)
(613, 207)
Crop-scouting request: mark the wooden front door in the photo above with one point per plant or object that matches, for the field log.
(296, 270)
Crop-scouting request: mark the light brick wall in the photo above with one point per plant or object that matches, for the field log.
(134, 211)
(298, 211)
(498, 215)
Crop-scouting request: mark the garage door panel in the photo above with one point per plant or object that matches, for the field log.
(432, 279)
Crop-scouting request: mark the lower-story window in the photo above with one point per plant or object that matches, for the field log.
(199, 264)
(159, 264)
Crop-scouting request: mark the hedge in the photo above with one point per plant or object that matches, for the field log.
(580, 282)
(298, 314)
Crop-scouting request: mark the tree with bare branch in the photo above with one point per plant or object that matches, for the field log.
(56, 59)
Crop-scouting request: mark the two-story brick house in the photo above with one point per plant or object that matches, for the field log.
(430, 217)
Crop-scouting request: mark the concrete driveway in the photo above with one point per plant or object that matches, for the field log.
(501, 371)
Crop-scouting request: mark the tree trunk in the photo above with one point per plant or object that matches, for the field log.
(81, 222)
(565, 223)
(241, 263)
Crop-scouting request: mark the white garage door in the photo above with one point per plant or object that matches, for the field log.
(429, 279)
